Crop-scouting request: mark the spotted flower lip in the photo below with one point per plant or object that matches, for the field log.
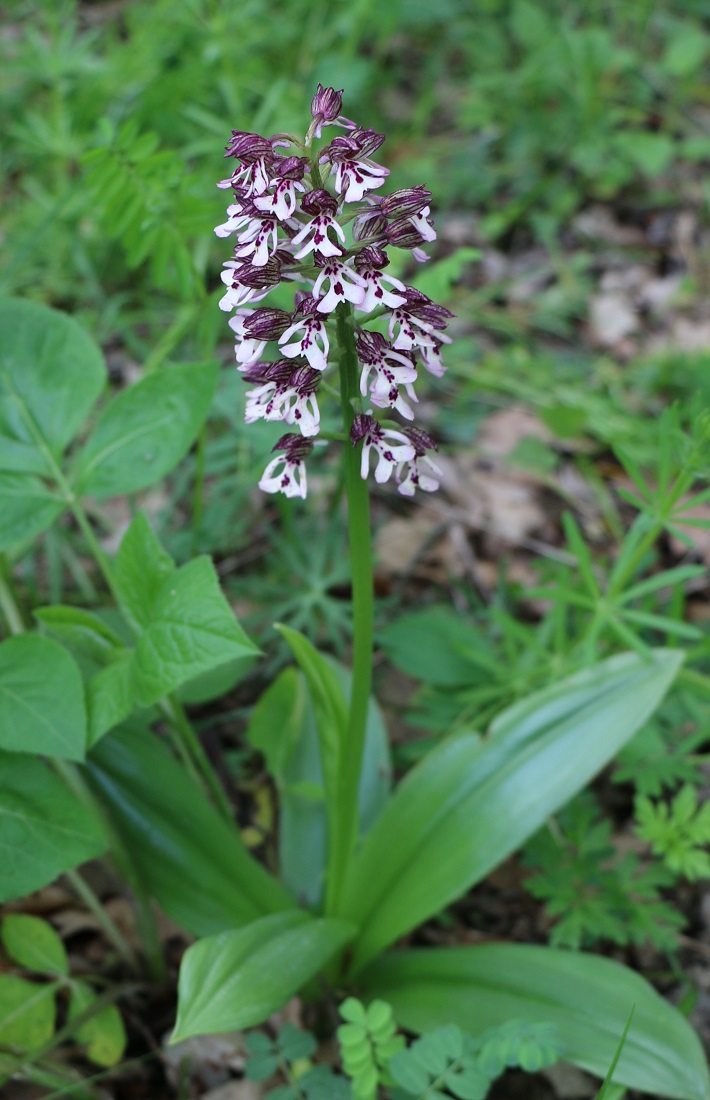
(287, 177)
(345, 285)
(307, 336)
(314, 235)
(390, 446)
(355, 172)
(391, 370)
(368, 262)
(286, 473)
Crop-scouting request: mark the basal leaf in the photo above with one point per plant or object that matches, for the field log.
(41, 699)
(187, 856)
(587, 998)
(51, 373)
(44, 830)
(145, 431)
(471, 803)
(192, 629)
(237, 979)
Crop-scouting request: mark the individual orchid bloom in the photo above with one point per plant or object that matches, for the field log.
(238, 293)
(431, 358)
(300, 403)
(254, 328)
(267, 401)
(287, 182)
(411, 204)
(256, 155)
(355, 172)
(391, 369)
(345, 285)
(287, 472)
(368, 262)
(391, 447)
(315, 232)
(259, 240)
(371, 225)
(416, 321)
(420, 472)
(326, 106)
(237, 219)
(313, 344)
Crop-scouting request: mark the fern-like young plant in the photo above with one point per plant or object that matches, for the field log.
(142, 194)
(377, 1062)
(678, 832)
(592, 891)
(368, 1041)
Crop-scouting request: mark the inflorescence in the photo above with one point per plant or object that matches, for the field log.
(333, 248)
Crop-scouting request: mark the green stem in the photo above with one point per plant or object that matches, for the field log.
(145, 916)
(106, 923)
(346, 817)
(173, 709)
(8, 601)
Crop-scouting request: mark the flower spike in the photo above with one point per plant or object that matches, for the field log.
(288, 216)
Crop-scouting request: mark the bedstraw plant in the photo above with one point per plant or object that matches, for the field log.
(360, 865)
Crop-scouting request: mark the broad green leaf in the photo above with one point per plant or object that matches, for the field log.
(85, 635)
(586, 997)
(51, 373)
(109, 697)
(216, 681)
(275, 724)
(27, 1012)
(471, 802)
(139, 570)
(41, 699)
(237, 979)
(103, 1034)
(27, 507)
(34, 944)
(192, 630)
(44, 830)
(145, 431)
(187, 856)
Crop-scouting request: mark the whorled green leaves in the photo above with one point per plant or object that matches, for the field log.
(51, 375)
(184, 633)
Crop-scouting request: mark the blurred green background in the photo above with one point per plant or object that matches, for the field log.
(517, 111)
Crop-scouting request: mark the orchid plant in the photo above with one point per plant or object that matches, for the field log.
(360, 865)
